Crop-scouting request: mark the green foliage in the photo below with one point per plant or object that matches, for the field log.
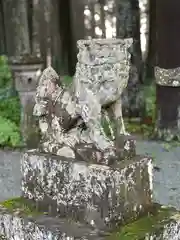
(140, 229)
(149, 93)
(145, 126)
(67, 80)
(9, 108)
(9, 133)
(136, 127)
(5, 74)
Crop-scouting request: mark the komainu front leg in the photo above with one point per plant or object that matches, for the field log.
(125, 144)
(90, 110)
(119, 122)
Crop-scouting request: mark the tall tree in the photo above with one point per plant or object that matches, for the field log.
(128, 26)
(77, 26)
(56, 42)
(2, 31)
(168, 69)
(17, 31)
(151, 58)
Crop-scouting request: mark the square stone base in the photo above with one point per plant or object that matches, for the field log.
(15, 226)
(96, 194)
(163, 224)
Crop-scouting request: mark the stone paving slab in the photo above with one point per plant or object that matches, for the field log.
(10, 175)
(167, 172)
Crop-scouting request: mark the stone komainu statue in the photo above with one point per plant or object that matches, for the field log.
(71, 120)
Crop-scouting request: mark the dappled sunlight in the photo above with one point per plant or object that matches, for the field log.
(99, 19)
(144, 26)
(98, 16)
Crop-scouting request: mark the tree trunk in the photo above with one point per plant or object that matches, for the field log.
(16, 22)
(77, 26)
(56, 44)
(128, 26)
(151, 59)
(47, 4)
(103, 27)
(37, 27)
(168, 69)
(93, 23)
(2, 31)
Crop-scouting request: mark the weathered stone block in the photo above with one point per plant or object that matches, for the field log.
(97, 194)
(163, 224)
(16, 226)
(20, 221)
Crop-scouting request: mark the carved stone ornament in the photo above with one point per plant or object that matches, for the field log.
(71, 119)
(168, 77)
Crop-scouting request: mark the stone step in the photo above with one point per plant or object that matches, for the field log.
(21, 222)
(163, 225)
(91, 193)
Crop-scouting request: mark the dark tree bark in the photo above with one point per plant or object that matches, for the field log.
(93, 23)
(46, 32)
(77, 27)
(128, 26)
(56, 44)
(16, 26)
(151, 59)
(103, 27)
(168, 69)
(2, 31)
(37, 18)
(47, 9)
(29, 5)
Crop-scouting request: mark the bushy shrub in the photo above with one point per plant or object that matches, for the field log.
(5, 73)
(9, 133)
(9, 108)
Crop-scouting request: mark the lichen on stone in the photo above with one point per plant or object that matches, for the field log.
(99, 191)
(63, 112)
(154, 226)
(20, 206)
(168, 77)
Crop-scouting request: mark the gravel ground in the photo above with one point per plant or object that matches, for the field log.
(10, 175)
(167, 178)
(166, 175)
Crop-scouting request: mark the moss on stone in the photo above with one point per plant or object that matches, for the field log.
(138, 128)
(21, 206)
(25, 59)
(151, 224)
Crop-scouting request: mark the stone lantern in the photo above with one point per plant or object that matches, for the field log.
(26, 71)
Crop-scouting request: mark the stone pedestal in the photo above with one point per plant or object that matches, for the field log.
(26, 72)
(163, 223)
(39, 226)
(95, 194)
